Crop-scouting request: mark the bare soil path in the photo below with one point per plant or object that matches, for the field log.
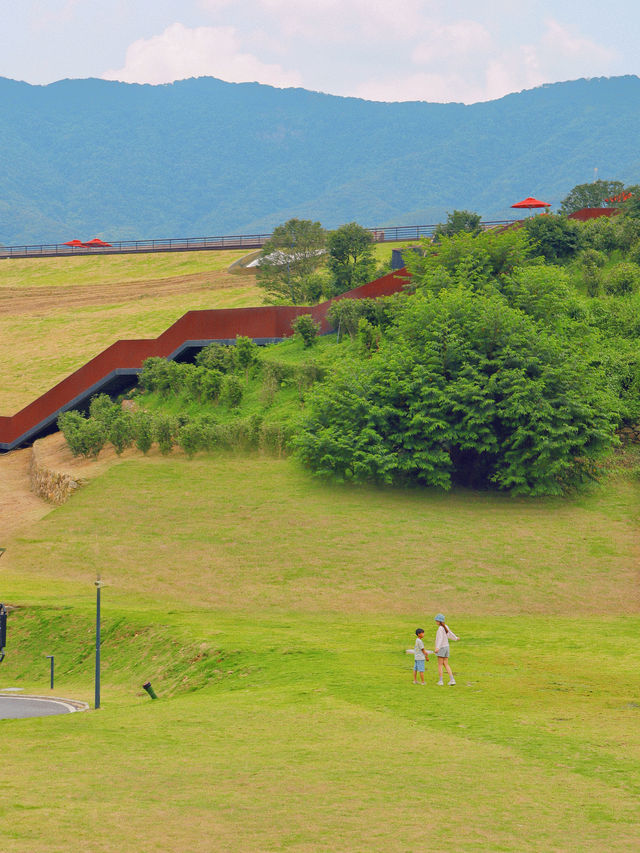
(36, 300)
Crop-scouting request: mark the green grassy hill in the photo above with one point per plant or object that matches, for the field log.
(272, 613)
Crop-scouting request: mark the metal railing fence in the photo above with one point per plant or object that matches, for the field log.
(386, 234)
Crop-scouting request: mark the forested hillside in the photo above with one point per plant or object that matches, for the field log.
(200, 157)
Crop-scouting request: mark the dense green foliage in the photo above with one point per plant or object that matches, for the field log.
(459, 220)
(595, 194)
(351, 260)
(500, 371)
(508, 362)
(241, 158)
(289, 261)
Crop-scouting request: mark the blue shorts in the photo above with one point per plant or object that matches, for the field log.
(418, 666)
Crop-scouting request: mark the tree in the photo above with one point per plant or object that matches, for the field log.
(351, 260)
(306, 328)
(595, 194)
(464, 389)
(554, 237)
(459, 220)
(289, 260)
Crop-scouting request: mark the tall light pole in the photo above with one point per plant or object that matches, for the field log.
(98, 584)
(3, 622)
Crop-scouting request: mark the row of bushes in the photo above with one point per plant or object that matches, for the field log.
(107, 422)
(208, 384)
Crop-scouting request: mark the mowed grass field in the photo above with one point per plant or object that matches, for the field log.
(272, 614)
(61, 312)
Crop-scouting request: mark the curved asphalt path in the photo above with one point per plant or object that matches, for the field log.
(19, 707)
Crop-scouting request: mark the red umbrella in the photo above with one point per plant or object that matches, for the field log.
(73, 243)
(96, 242)
(530, 203)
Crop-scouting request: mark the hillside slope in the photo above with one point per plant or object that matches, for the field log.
(202, 157)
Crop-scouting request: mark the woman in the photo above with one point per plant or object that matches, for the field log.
(443, 635)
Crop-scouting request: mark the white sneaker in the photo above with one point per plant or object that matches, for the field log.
(441, 683)
(453, 681)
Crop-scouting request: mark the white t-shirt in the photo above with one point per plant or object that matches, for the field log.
(442, 638)
(418, 652)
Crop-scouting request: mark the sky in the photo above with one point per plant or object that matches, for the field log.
(399, 50)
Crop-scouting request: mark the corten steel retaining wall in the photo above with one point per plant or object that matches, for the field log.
(118, 364)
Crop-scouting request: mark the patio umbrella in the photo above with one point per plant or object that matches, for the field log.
(96, 242)
(73, 243)
(530, 204)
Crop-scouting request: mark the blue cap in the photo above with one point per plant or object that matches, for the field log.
(439, 618)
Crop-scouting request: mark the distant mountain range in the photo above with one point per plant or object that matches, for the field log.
(202, 157)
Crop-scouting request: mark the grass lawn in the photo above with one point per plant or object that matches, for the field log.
(110, 269)
(272, 613)
(57, 313)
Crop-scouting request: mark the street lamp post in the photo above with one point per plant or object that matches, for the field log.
(3, 622)
(98, 584)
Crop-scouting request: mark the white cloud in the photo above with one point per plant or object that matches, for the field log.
(423, 86)
(180, 52)
(558, 41)
(461, 61)
(344, 21)
(463, 39)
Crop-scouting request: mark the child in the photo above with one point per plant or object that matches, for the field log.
(443, 635)
(420, 657)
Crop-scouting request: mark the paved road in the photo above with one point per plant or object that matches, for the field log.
(18, 707)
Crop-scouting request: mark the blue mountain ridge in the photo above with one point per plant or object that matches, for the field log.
(203, 157)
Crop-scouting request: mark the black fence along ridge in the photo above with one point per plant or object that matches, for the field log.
(387, 234)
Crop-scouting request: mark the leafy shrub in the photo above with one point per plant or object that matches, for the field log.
(274, 438)
(143, 431)
(211, 385)
(104, 410)
(460, 220)
(245, 353)
(623, 279)
(191, 437)
(70, 425)
(602, 234)
(84, 436)
(306, 329)
(369, 336)
(121, 432)
(554, 237)
(232, 391)
(164, 430)
(216, 357)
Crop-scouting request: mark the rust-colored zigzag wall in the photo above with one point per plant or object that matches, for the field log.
(126, 357)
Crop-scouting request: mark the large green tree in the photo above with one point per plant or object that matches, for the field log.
(289, 262)
(351, 260)
(459, 220)
(464, 389)
(595, 194)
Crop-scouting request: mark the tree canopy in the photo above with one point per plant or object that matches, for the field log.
(289, 260)
(594, 194)
(351, 260)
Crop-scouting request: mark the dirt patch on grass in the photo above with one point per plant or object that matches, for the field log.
(19, 507)
(36, 300)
